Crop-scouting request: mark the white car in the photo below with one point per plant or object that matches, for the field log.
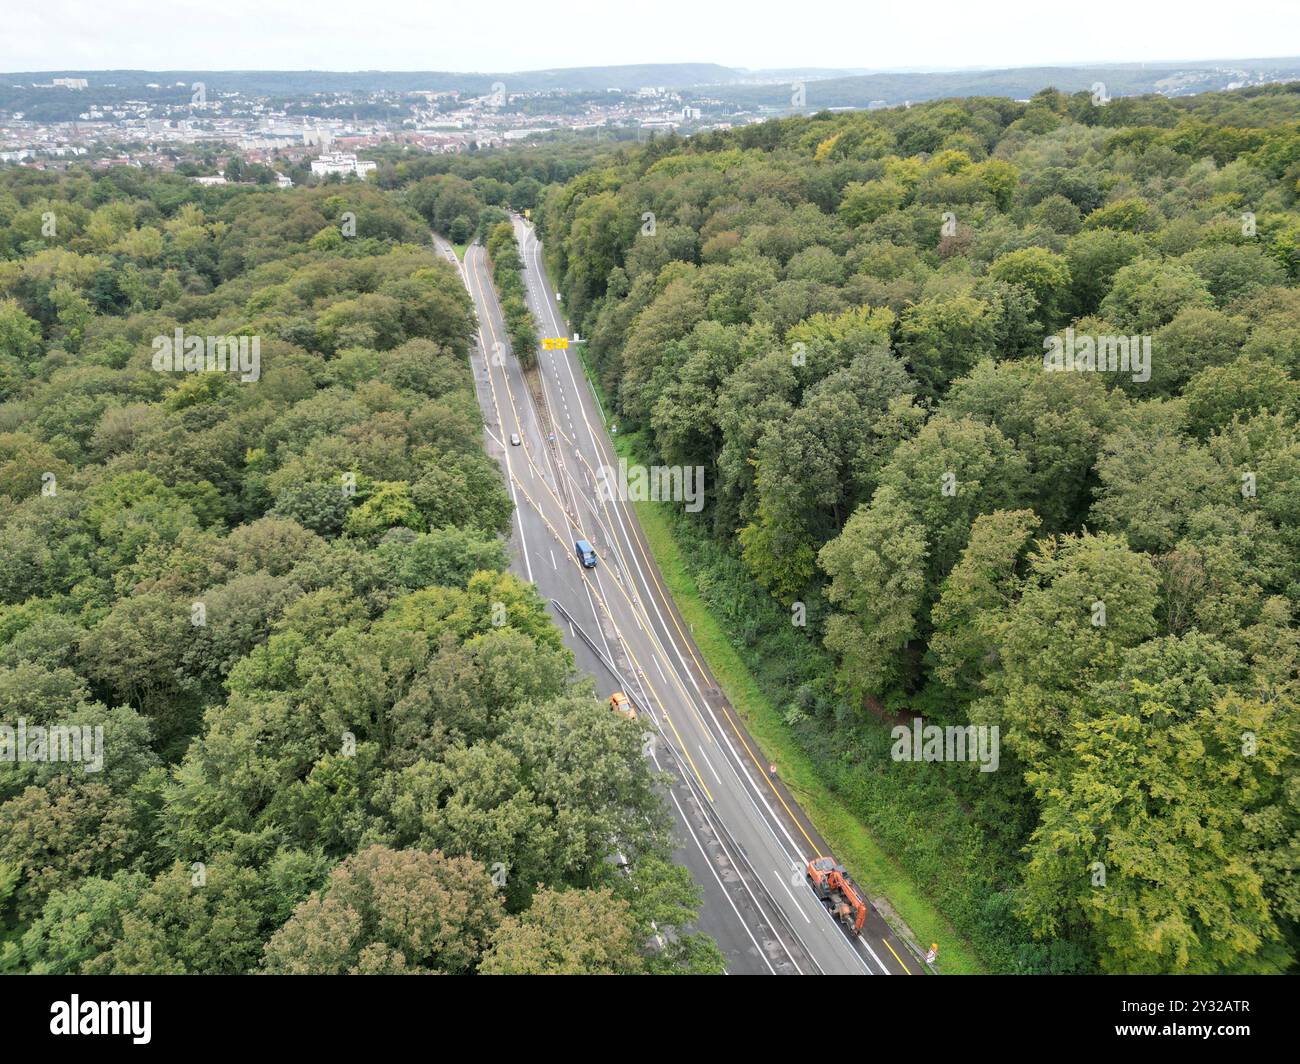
(515, 441)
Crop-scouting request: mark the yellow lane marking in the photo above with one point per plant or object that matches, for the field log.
(645, 677)
(635, 536)
(641, 550)
(554, 532)
(578, 527)
(896, 956)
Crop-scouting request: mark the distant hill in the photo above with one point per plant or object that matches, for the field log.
(834, 87)
(1120, 79)
(112, 88)
(745, 89)
(659, 75)
(301, 82)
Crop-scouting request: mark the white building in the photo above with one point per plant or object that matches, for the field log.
(340, 162)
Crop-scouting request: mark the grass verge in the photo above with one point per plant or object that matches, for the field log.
(866, 861)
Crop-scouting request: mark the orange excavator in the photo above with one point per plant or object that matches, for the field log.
(841, 895)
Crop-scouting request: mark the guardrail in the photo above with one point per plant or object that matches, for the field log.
(706, 807)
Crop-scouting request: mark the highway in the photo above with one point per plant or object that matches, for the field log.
(738, 830)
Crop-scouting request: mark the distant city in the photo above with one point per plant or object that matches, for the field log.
(295, 127)
(326, 134)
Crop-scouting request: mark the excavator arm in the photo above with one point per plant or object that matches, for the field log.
(840, 894)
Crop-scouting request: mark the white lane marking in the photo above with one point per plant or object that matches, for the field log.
(739, 763)
(510, 477)
(609, 654)
(636, 561)
(710, 764)
(467, 272)
(867, 946)
(671, 639)
(595, 613)
(682, 813)
(787, 890)
(672, 642)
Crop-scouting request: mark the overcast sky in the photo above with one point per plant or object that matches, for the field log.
(506, 35)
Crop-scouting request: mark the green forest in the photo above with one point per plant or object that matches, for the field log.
(854, 323)
(998, 407)
(337, 735)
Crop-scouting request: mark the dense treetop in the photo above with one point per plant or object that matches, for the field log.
(845, 320)
(338, 735)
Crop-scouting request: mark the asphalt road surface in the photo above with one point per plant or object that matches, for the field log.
(738, 830)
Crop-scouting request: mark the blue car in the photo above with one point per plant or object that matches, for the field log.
(586, 553)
